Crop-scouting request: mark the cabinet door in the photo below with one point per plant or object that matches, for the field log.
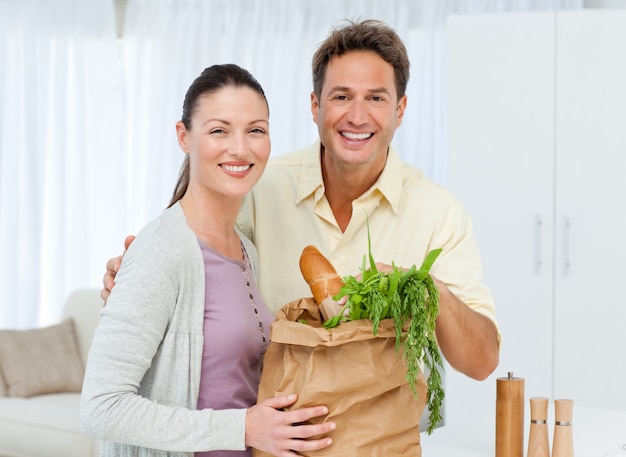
(591, 208)
(501, 166)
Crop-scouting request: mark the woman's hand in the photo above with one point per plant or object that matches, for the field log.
(282, 433)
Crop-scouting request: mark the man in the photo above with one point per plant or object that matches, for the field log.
(323, 195)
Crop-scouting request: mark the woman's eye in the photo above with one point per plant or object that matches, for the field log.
(257, 130)
(217, 131)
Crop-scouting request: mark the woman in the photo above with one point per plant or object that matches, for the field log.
(177, 356)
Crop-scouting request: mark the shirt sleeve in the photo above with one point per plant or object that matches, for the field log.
(459, 265)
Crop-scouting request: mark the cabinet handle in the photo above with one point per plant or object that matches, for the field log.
(538, 262)
(566, 245)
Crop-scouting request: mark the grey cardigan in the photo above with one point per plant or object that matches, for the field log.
(143, 372)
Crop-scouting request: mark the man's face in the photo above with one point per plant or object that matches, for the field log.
(358, 110)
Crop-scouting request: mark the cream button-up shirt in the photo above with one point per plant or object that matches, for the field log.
(409, 215)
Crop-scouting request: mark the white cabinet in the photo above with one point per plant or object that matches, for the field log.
(537, 154)
(590, 304)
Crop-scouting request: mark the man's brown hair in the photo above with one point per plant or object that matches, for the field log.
(368, 35)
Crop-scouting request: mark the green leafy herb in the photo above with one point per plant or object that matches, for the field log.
(408, 297)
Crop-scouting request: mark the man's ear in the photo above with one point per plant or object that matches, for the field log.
(401, 108)
(181, 135)
(315, 106)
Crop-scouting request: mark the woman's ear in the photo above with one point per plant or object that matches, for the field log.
(181, 135)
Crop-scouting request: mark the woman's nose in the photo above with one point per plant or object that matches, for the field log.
(239, 145)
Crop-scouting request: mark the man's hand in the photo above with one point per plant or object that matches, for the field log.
(113, 265)
(284, 433)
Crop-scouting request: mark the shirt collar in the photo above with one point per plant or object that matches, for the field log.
(311, 180)
(389, 183)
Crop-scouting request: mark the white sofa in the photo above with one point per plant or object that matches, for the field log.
(47, 425)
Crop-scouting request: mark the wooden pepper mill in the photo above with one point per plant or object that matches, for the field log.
(510, 417)
(538, 445)
(563, 442)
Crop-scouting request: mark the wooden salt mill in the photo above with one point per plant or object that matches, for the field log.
(538, 445)
(563, 442)
(510, 417)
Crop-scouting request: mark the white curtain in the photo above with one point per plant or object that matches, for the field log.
(59, 143)
(87, 139)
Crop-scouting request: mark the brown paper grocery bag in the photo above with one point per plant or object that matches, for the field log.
(361, 378)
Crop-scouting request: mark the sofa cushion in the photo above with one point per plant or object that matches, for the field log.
(40, 361)
(43, 426)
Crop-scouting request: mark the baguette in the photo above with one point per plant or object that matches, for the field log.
(320, 274)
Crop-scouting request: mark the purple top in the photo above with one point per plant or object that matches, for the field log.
(236, 335)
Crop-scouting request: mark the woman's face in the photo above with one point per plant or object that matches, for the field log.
(228, 142)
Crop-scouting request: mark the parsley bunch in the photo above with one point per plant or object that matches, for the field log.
(408, 297)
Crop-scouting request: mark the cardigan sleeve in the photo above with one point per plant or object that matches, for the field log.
(142, 374)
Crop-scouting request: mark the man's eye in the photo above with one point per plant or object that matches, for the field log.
(341, 97)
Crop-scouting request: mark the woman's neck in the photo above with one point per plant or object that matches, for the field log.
(213, 220)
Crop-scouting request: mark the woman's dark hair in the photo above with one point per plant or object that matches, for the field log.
(211, 80)
(367, 35)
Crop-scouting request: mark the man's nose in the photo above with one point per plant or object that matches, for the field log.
(357, 112)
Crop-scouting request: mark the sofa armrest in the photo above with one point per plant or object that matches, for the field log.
(3, 389)
(84, 307)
